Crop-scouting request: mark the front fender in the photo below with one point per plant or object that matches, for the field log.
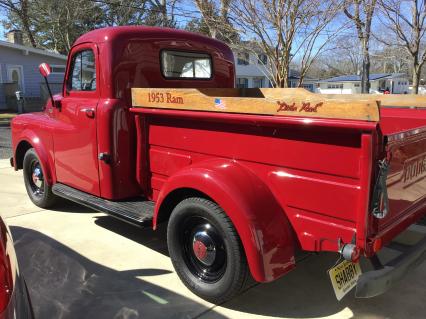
(259, 220)
(41, 145)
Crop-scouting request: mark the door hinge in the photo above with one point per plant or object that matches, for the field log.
(105, 157)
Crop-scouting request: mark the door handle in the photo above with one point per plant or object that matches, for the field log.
(90, 112)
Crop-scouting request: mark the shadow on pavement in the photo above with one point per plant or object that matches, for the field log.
(307, 293)
(64, 205)
(65, 284)
(156, 240)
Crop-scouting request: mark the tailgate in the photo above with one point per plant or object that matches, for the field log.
(406, 180)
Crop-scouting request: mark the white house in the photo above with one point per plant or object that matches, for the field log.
(308, 83)
(253, 70)
(395, 83)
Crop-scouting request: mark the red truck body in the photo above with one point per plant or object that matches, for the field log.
(286, 183)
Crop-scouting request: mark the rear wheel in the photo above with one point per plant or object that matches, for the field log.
(206, 251)
(38, 189)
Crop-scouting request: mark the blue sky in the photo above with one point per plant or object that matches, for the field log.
(184, 11)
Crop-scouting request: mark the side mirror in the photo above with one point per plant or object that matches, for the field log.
(45, 70)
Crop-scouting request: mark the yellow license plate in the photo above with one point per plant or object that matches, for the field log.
(344, 277)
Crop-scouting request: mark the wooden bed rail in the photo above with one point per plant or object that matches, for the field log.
(277, 102)
(386, 100)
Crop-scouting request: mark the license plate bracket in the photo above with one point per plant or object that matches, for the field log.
(344, 277)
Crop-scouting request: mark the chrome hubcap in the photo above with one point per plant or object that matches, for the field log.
(36, 179)
(37, 176)
(204, 248)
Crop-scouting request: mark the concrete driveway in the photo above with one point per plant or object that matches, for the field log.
(82, 264)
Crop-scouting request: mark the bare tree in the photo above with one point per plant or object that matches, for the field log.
(391, 59)
(215, 18)
(59, 26)
(361, 13)
(407, 20)
(123, 12)
(346, 58)
(287, 30)
(20, 9)
(49, 25)
(161, 13)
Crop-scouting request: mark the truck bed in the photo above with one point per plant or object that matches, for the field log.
(318, 154)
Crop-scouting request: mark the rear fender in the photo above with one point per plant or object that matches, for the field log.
(259, 220)
(28, 137)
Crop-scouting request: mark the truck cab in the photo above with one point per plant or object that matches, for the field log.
(93, 133)
(149, 128)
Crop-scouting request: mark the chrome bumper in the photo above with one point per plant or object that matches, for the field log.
(376, 282)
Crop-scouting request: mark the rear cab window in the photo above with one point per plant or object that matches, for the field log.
(186, 65)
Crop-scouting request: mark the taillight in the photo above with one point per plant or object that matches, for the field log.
(377, 245)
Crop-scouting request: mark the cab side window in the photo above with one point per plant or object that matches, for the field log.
(82, 76)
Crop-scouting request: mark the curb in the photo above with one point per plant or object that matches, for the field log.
(5, 123)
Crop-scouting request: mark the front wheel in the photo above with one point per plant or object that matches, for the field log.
(206, 251)
(38, 189)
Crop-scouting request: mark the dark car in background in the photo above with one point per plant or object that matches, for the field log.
(14, 298)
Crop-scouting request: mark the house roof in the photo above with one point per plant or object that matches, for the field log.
(357, 78)
(243, 46)
(32, 50)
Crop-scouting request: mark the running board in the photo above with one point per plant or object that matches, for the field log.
(135, 211)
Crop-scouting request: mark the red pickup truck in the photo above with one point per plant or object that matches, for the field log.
(149, 129)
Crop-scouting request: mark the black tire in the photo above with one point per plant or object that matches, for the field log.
(38, 191)
(226, 271)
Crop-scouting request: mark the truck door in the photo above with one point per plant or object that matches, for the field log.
(75, 141)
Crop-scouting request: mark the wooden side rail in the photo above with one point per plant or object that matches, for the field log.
(277, 102)
(386, 100)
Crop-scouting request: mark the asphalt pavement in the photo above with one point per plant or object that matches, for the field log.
(5, 142)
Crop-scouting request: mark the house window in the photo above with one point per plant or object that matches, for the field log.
(58, 69)
(335, 86)
(257, 82)
(243, 58)
(262, 59)
(356, 85)
(83, 72)
(189, 65)
(242, 83)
